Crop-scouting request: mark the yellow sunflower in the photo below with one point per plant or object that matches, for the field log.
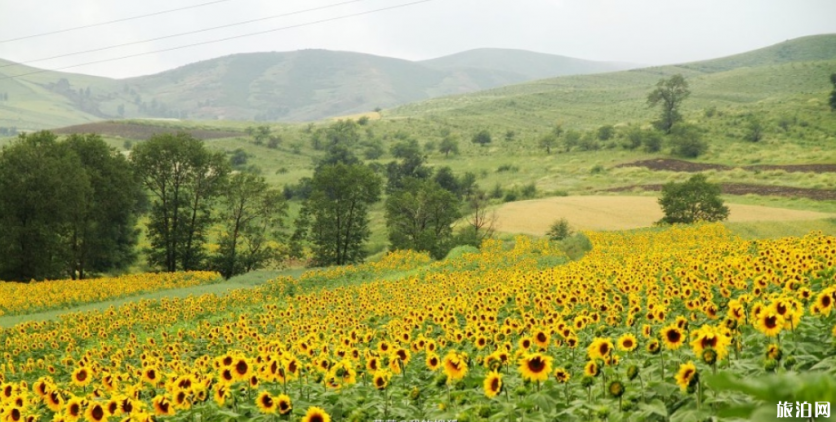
(96, 412)
(562, 375)
(686, 376)
(82, 377)
(283, 404)
(536, 366)
(433, 361)
(265, 403)
(492, 384)
(627, 343)
(672, 337)
(455, 365)
(769, 323)
(600, 348)
(316, 414)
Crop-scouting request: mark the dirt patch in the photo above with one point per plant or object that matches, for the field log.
(747, 188)
(140, 131)
(617, 213)
(670, 164)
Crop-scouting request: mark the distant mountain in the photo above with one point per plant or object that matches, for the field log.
(291, 86)
(315, 84)
(526, 64)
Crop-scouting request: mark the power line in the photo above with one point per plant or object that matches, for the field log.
(61, 31)
(368, 12)
(182, 33)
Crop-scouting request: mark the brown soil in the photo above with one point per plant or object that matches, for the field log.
(139, 131)
(745, 188)
(669, 164)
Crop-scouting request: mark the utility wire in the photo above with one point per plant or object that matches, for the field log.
(368, 12)
(182, 33)
(61, 31)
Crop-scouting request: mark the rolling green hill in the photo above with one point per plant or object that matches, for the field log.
(529, 64)
(294, 86)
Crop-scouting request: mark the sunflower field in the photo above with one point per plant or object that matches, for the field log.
(25, 298)
(680, 324)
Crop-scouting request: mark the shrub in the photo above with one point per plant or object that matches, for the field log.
(559, 230)
(692, 201)
(687, 141)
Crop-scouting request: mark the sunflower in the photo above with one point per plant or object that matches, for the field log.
(672, 337)
(773, 351)
(283, 404)
(54, 401)
(265, 403)
(82, 377)
(769, 323)
(536, 366)
(162, 406)
(708, 337)
(824, 302)
(562, 375)
(316, 414)
(241, 369)
(653, 347)
(541, 338)
(647, 330)
(492, 384)
(220, 394)
(600, 348)
(591, 369)
(627, 343)
(687, 375)
(433, 362)
(73, 411)
(381, 379)
(96, 412)
(455, 365)
(616, 388)
(151, 375)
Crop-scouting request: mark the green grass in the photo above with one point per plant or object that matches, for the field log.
(776, 229)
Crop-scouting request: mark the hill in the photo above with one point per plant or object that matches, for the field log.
(527, 64)
(291, 86)
(804, 49)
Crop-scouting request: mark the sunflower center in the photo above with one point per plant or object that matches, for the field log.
(241, 367)
(541, 337)
(97, 413)
(267, 401)
(673, 336)
(316, 418)
(825, 301)
(536, 364)
(74, 409)
(628, 343)
(771, 322)
(82, 375)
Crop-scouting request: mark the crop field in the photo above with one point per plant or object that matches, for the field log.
(618, 213)
(680, 324)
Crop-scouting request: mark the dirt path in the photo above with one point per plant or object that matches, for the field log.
(617, 213)
(746, 188)
(669, 164)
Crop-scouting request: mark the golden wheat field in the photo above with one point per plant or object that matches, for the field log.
(617, 213)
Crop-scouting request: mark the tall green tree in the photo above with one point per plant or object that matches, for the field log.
(104, 236)
(692, 201)
(337, 213)
(420, 217)
(43, 191)
(483, 137)
(669, 94)
(410, 166)
(251, 215)
(184, 179)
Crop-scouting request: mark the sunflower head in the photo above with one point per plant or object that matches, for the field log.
(773, 351)
(283, 404)
(536, 367)
(562, 375)
(616, 388)
(687, 376)
(591, 369)
(653, 347)
(632, 372)
(265, 403)
(492, 384)
(316, 414)
(709, 356)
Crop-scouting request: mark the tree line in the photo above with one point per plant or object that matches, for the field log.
(72, 207)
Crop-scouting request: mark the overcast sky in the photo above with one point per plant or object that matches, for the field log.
(638, 31)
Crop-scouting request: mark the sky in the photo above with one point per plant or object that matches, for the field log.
(648, 32)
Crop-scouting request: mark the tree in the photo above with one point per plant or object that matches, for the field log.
(411, 165)
(669, 93)
(449, 145)
(606, 132)
(250, 214)
(692, 201)
(337, 211)
(559, 230)
(482, 138)
(43, 191)
(480, 222)
(184, 179)
(687, 141)
(547, 142)
(420, 217)
(103, 236)
(571, 140)
(754, 130)
(833, 93)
